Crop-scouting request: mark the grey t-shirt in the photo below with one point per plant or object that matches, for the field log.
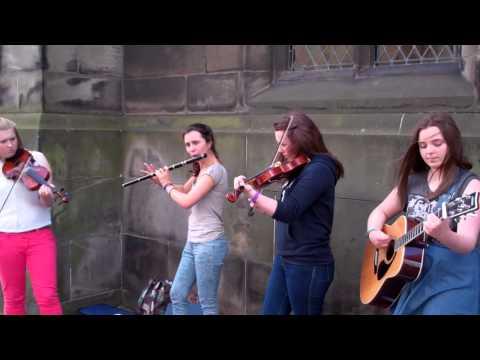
(206, 219)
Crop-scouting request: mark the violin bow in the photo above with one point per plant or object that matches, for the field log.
(251, 211)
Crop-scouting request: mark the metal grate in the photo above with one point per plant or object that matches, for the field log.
(416, 54)
(320, 57)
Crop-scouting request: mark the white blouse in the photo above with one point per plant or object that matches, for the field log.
(22, 211)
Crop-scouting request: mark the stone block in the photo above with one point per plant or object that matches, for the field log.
(20, 57)
(174, 256)
(348, 244)
(212, 92)
(29, 136)
(100, 59)
(63, 271)
(96, 263)
(92, 200)
(160, 60)
(251, 237)
(256, 285)
(21, 91)
(143, 259)
(231, 288)
(62, 58)
(80, 94)
(147, 209)
(259, 57)
(375, 94)
(376, 164)
(155, 95)
(83, 153)
(224, 57)
(256, 82)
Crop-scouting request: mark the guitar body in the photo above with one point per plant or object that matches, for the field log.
(385, 271)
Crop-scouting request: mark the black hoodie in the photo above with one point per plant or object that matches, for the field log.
(305, 213)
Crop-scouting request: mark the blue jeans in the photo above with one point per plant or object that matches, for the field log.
(200, 263)
(297, 287)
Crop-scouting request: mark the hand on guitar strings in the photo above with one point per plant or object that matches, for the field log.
(379, 239)
(435, 226)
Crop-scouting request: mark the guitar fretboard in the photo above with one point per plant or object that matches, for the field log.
(411, 235)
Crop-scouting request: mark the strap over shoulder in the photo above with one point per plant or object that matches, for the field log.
(463, 182)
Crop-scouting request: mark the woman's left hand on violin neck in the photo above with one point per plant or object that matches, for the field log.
(46, 196)
(262, 203)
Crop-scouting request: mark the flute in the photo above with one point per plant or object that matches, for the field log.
(171, 167)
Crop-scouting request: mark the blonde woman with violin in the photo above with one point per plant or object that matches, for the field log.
(206, 245)
(26, 238)
(303, 267)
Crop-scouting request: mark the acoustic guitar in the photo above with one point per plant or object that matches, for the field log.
(386, 270)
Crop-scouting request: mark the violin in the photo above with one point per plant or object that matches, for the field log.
(271, 174)
(20, 168)
(275, 172)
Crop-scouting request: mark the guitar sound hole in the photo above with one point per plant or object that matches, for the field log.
(382, 269)
(385, 265)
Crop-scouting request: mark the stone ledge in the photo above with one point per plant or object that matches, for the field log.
(379, 94)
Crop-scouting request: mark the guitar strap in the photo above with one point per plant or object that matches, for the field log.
(456, 190)
(465, 179)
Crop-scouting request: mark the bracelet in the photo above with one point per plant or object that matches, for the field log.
(167, 184)
(370, 230)
(169, 188)
(255, 197)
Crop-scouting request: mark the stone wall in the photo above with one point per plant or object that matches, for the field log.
(99, 111)
(67, 102)
(366, 122)
(167, 88)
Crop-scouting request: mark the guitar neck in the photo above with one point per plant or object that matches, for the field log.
(412, 234)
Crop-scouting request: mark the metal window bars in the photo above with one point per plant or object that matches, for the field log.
(392, 55)
(320, 57)
(334, 57)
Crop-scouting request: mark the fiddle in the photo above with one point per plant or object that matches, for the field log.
(270, 175)
(20, 168)
(275, 172)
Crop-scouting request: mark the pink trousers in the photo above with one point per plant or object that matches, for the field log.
(36, 252)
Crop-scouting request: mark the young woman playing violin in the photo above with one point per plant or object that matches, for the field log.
(26, 239)
(206, 246)
(303, 267)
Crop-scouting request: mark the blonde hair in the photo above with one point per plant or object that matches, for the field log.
(7, 124)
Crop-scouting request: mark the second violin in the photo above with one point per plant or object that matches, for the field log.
(270, 175)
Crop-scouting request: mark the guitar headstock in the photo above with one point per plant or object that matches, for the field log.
(463, 205)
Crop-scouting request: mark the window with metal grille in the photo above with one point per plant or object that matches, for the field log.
(415, 54)
(336, 57)
(320, 57)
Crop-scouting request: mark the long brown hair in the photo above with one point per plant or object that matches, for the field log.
(306, 138)
(412, 161)
(207, 133)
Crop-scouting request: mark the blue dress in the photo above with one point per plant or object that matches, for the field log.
(449, 282)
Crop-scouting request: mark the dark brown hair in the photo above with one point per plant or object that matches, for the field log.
(306, 138)
(412, 161)
(207, 133)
